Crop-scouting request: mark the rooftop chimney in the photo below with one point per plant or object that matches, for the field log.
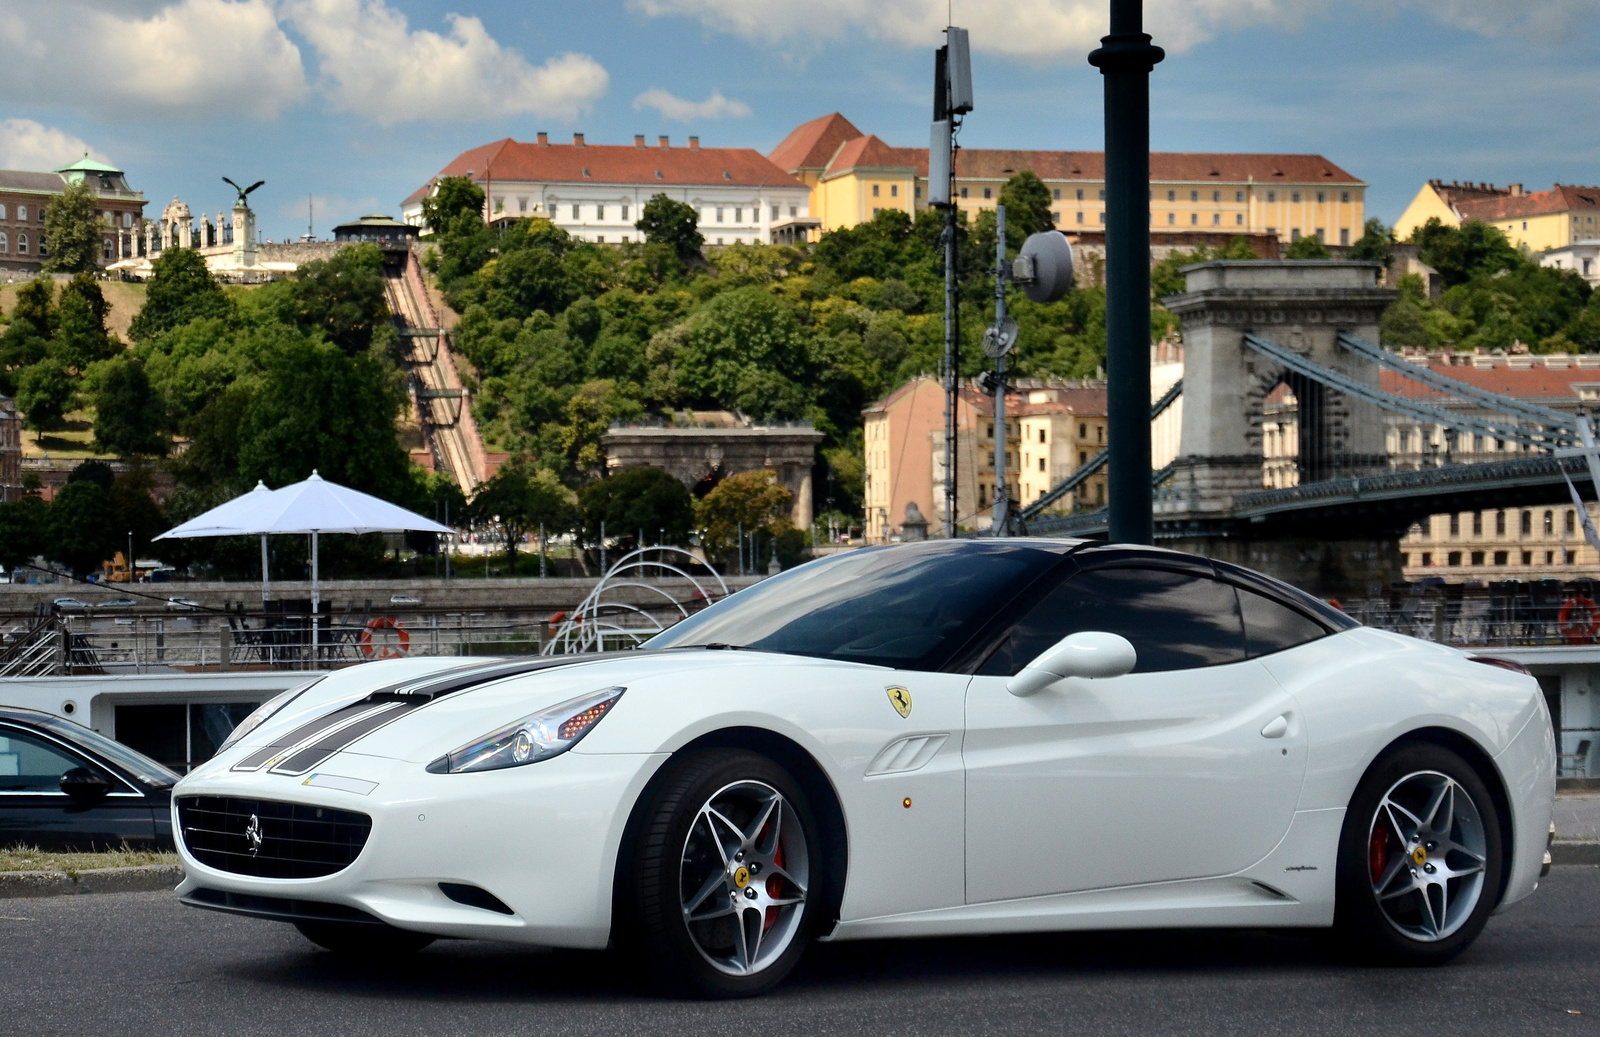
(544, 139)
(638, 140)
(1516, 190)
(577, 140)
(694, 143)
(663, 141)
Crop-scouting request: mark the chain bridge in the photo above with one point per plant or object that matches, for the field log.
(1307, 450)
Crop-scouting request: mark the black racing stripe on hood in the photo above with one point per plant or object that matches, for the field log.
(302, 749)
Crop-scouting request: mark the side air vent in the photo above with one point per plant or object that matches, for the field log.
(473, 896)
(906, 754)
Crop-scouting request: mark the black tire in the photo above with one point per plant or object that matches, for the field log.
(363, 940)
(1408, 926)
(670, 848)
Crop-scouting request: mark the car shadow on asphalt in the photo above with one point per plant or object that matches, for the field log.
(477, 970)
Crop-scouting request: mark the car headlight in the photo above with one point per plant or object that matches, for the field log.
(549, 732)
(264, 712)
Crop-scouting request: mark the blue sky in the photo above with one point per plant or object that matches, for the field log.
(357, 102)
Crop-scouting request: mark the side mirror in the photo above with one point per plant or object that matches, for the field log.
(1089, 653)
(83, 784)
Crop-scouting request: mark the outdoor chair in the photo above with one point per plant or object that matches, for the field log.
(1575, 764)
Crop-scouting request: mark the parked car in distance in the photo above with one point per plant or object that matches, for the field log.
(118, 603)
(69, 603)
(404, 599)
(182, 603)
(66, 787)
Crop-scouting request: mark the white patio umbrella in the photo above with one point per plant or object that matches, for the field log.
(313, 506)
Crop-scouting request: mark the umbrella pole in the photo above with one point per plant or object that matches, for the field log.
(266, 590)
(316, 599)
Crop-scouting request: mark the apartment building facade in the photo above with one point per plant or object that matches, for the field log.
(1541, 220)
(24, 195)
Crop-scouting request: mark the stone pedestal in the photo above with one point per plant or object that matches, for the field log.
(244, 236)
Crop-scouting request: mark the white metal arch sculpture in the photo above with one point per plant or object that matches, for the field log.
(599, 617)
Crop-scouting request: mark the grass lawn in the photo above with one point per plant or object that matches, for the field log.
(74, 439)
(26, 858)
(123, 301)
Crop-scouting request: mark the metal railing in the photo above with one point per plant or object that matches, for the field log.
(1506, 614)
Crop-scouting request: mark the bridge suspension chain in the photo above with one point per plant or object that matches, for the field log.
(1540, 438)
(1505, 404)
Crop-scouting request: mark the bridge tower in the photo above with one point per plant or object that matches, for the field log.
(1302, 306)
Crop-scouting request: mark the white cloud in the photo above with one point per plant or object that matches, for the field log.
(1050, 29)
(374, 65)
(680, 109)
(25, 144)
(182, 58)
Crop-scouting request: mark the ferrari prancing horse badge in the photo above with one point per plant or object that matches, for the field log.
(900, 699)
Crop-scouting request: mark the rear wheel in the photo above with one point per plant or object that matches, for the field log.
(721, 894)
(363, 940)
(1420, 858)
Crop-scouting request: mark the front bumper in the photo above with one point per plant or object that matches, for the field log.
(542, 839)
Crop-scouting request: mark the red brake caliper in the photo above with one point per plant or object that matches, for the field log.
(774, 890)
(1377, 853)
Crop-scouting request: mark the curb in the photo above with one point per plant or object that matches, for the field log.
(144, 879)
(1565, 851)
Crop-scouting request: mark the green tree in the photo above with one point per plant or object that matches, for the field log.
(1027, 202)
(22, 530)
(454, 196)
(343, 295)
(745, 350)
(81, 337)
(80, 529)
(73, 231)
(134, 509)
(180, 290)
(128, 413)
(46, 390)
(631, 499)
(33, 323)
(751, 500)
(674, 224)
(96, 471)
(518, 499)
(1460, 253)
(1308, 247)
(1375, 243)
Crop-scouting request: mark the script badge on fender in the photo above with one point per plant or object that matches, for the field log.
(900, 699)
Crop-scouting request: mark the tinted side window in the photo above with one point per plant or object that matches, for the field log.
(1174, 620)
(29, 764)
(1270, 627)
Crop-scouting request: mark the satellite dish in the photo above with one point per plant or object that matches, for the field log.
(1044, 266)
(997, 342)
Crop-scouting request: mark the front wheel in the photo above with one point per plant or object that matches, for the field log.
(1420, 858)
(722, 890)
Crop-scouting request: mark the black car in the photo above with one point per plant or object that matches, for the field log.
(66, 787)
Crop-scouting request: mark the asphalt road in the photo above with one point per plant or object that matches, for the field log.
(144, 964)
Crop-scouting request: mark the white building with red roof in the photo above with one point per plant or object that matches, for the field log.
(596, 191)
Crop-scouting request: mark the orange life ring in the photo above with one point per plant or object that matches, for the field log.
(386, 650)
(1579, 631)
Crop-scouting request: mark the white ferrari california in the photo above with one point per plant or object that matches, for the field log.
(950, 737)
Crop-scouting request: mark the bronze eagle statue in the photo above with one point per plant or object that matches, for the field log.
(244, 192)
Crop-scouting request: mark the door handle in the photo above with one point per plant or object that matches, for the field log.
(1277, 727)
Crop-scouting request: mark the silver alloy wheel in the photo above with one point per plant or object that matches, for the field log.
(743, 877)
(1425, 855)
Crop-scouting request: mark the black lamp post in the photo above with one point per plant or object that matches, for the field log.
(1125, 58)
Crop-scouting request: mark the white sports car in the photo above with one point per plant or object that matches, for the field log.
(952, 737)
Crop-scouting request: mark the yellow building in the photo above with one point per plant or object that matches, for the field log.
(853, 175)
(1541, 219)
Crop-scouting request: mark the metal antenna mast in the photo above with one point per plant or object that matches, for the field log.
(952, 98)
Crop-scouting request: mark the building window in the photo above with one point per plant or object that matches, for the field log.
(1453, 558)
(522, 203)
(1041, 464)
(1102, 195)
(1527, 558)
(1344, 196)
(1080, 217)
(1477, 523)
(1102, 217)
(1055, 217)
(1500, 558)
(574, 212)
(1294, 234)
(1427, 559)
(719, 214)
(794, 210)
(1549, 523)
(738, 215)
(1527, 523)
(22, 214)
(1194, 219)
(1238, 219)
(1172, 196)
(599, 212)
(1172, 218)
(874, 190)
(2, 212)
(1238, 196)
(774, 212)
(1055, 194)
(1405, 560)
(1549, 558)
(1572, 521)
(105, 250)
(1500, 526)
(1344, 235)
(988, 192)
(1572, 557)
(1318, 233)
(894, 190)
(22, 244)
(600, 239)
(1455, 525)
(5, 243)
(1194, 196)
(963, 192)
(1319, 197)
(1477, 558)
(1294, 196)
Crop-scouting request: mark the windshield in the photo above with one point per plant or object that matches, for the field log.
(134, 762)
(910, 607)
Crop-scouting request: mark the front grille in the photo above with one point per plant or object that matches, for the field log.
(294, 841)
